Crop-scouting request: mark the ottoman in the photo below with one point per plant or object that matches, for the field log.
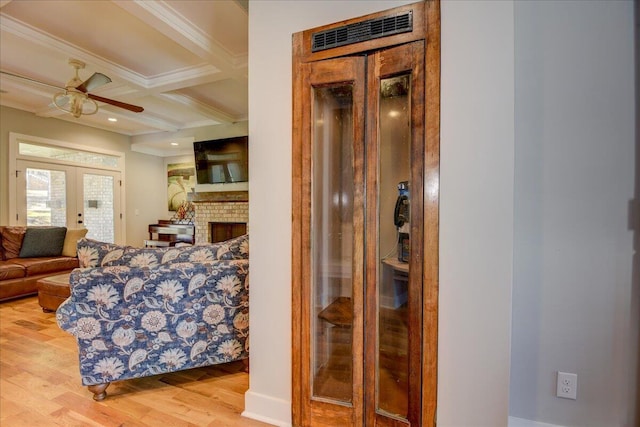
(52, 291)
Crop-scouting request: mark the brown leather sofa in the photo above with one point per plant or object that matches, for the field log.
(18, 275)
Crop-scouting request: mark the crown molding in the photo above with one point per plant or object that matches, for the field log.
(185, 77)
(147, 119)
(18, 106)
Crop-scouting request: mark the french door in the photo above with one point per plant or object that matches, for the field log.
(365, 225)
(69, 196)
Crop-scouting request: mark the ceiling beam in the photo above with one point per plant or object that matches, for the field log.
(207, 110)
(163, 17)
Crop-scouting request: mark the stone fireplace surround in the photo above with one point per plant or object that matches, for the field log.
(230, 206)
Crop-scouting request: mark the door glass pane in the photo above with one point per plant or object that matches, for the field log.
(98, 207)
(393, 246)
(46, 197)
(332, 236)
(67, 154)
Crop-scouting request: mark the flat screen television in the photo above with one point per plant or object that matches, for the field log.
(222, 161)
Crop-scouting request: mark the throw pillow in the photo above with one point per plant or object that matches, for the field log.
(70, 246)
(43, 241)
(12, 237)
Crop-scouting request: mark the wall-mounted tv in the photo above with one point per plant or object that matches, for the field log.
(222, 161)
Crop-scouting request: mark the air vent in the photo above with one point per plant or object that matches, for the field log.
(361, 31)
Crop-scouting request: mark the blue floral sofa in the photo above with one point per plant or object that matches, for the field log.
(137, 312)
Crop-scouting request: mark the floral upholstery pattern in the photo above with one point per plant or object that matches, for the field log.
(140, 312)
(92, 253)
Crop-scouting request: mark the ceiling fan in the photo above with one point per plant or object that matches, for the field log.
(76, 98)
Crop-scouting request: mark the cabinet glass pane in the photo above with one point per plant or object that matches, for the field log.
(332, 242)
(393, 246)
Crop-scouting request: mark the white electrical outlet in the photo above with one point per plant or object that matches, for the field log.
(567, 386)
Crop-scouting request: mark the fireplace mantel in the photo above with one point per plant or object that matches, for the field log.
(220, 196)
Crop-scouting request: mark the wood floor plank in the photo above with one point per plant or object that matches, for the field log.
(36, 385)
(155, 418)
(40, 383)
(98, 412)
(69, 417)
(30, 402)
(9, 409)
(29, 418)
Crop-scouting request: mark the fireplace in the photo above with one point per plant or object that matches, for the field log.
(221, 231)
(209, 209)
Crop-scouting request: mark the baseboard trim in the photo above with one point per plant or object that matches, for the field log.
(277, 412)
(521, 422)
(267, 409)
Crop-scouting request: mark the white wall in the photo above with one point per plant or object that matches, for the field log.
(476, 212)
(573, 298)
(476, 207)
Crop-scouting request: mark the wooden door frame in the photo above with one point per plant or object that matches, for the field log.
(431, 210)
(426, 28)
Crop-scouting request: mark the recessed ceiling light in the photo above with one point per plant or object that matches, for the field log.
(174, 143)
(112, 119)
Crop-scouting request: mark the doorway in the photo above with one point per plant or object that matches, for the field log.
(60, 184)
(69, 196)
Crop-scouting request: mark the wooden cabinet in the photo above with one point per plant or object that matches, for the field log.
(167, 233)
(365, 220)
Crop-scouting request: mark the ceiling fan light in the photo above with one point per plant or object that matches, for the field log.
(89, 106)
(79, 105)
(76, 106)
(60, 100)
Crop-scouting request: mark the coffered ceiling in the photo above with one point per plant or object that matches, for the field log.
(184, 62)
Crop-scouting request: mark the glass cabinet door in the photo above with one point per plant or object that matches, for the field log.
(332, 189)
(393, 283)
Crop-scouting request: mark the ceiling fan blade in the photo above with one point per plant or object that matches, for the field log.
(95, 81)
(18, 76)
(124, 105)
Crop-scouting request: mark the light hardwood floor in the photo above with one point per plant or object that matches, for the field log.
(40, 383)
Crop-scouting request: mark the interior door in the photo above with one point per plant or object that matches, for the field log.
(69, 196)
